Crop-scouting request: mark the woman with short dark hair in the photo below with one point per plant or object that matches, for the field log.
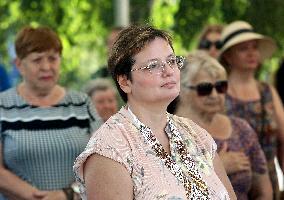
(142, 152)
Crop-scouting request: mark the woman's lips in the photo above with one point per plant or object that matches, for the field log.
(46, 77)
(170, 84)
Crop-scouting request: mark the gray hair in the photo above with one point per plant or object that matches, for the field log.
(99, 84)
(200, 61)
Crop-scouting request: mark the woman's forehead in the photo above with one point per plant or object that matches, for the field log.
(158, 48)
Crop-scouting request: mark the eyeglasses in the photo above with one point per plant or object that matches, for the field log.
(206, 44)
(157, 66)
(204, 89)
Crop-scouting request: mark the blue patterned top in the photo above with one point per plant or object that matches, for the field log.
(40, 144)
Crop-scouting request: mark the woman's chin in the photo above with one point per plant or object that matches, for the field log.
(170, 98)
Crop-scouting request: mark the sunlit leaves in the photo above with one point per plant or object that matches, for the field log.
(84, 24)
(163, 12)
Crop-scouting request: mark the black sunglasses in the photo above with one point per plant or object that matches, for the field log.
(206, 44)
(204, 89)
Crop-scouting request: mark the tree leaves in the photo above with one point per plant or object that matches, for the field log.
(84, 24)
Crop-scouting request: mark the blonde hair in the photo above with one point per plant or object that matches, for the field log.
(200, 61)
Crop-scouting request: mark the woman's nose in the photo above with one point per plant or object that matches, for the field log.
(167, 69)
(46, 64)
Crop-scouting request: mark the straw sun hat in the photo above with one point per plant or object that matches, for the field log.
(240, 31)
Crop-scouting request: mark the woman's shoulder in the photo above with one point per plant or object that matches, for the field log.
(111, 140)
(189, 125)
(237, 121)
(75, 97)
(241, 127)
(182, 120)
(193, 131)
(10, 91)
(10, 98)
(116, 129)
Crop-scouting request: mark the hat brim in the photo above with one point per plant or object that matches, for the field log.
(266, 45)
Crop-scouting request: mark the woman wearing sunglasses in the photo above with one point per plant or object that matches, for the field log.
(203, 87)
(210, 40)
(242, 53)
(142, 152)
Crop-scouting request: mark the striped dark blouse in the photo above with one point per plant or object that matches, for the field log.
(41, 144)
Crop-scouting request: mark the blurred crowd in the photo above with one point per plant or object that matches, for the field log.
(149, 124)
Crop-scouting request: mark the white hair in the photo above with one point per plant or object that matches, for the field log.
(200, 61)
(99, 84)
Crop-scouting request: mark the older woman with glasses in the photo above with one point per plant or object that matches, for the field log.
(203, 87)
(142, 152)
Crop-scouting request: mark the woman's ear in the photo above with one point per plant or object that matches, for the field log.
(124, 83)
(19, 64)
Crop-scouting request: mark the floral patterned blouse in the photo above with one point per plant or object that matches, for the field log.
(124, 139)
(244, 138)
(260, 114)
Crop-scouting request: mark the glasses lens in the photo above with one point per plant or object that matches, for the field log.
(204, 89)
(154, 66)
(180, 61)
(218, 44)
(172, 61)
(205, 44)
(221, 86)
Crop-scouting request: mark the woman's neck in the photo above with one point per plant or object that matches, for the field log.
(153, 116)
(243, 77)
(40, 97)
(243, 85)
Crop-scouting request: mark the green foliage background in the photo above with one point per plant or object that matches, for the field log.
(84, 24)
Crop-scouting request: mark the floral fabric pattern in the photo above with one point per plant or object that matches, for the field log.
(195, 187)
(121, 140)
(260, 114)
(244, 138)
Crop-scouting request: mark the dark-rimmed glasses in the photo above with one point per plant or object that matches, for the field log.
(157, 66)
(206, 44)
(205, 89)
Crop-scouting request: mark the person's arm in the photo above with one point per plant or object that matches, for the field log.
(261, 187)
(221, 173)
(14, 187)
(233, 161)
(107, 179)
(279, 113)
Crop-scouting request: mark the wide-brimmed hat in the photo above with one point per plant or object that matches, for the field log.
(240, 31)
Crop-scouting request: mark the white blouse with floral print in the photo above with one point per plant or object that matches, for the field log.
(122, 138)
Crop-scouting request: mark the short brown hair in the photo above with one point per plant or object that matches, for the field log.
(131, 41)
(39, 39)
